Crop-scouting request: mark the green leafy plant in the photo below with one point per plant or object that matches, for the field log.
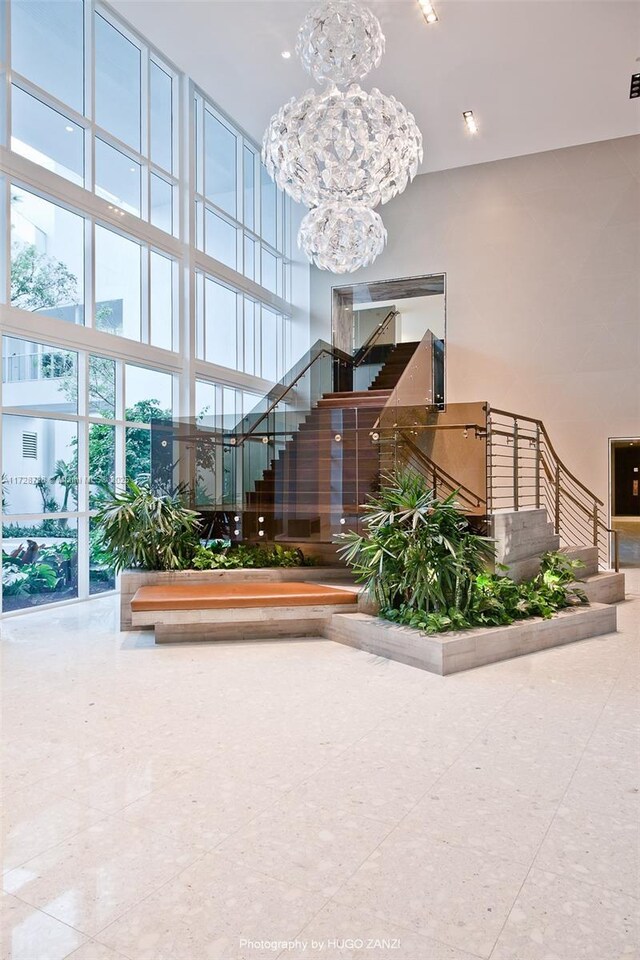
(234, 557)
(30, 578)
(139, 529)
(497, 600)
(418, 552)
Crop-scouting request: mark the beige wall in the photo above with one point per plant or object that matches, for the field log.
(542, 257)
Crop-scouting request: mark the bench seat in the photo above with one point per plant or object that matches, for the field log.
(238, 611)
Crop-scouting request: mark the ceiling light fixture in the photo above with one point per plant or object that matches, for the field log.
(286, 54)
(69, 128)
(470, 121)
(428, 12)
(342, 152)
(635, 86)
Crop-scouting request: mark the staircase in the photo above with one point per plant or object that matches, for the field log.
(394, 366)
(328, 466)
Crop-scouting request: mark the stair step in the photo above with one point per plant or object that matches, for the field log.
(588, 555)
(355, 394)
(606, 587)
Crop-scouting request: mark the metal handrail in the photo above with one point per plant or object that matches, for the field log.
(540, 424)
(370, 342)
(355, 361)
(553, 483)
(332, 352)
(473, 498)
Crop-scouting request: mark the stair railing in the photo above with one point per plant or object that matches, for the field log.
(524, 471)
(278, 394)
(441, 481)
(363, 352)
(320, 351)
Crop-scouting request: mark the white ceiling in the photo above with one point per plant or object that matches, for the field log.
(538, 74)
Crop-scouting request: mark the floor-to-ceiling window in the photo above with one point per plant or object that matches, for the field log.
(126, 287)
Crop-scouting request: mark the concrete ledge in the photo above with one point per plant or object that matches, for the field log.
(448, 653)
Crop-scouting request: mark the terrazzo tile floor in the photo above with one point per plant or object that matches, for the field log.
(303, 799)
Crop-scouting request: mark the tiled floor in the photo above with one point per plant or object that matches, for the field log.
(198, 802)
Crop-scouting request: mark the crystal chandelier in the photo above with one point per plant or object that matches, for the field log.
(342, 237)
(340, 42)
(342, 152)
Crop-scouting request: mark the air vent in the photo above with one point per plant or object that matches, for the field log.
(635, 86)
(30, 446)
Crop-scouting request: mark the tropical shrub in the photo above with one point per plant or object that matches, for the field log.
(229, 557)
(426, 569)
(497, 600)
(139, 529)
(33, 570)
(418, 552)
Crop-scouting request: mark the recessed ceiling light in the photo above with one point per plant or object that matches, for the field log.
(286, 54)
(69, 128)
(428, 11)
(133, 169)
(470, 121)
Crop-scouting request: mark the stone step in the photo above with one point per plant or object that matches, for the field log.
(606, 587)
(588, 555)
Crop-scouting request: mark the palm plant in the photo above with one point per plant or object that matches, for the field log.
(418, 552)
(139, 529)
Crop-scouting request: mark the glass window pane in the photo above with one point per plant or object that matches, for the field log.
(269, 344)
(101, 575)
(47, 571)
(249, 258)
(47, 42)
(280, 220)
(46, 137)
(199, 315)
(205, 400)
(118, 276)
(138, 453)
(219, 164)
(148, 394)
(47, 257)
(117, 178)
(161, 301)
(102, 461)
(102, 387)
(249, 174)
(268, 207)
(161, 114)
(220, 324)
(40, 464)
(36, 376)
(161, 204)
(117, 83)
(269, 271)
(220, 239)
(249, 336)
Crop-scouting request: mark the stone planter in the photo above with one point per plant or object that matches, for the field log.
(446, 653)
(132, 580)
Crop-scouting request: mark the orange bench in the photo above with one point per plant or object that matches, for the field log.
(238, 611)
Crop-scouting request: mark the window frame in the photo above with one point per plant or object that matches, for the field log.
(184, 361)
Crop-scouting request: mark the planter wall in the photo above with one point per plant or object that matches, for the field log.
(447, 653)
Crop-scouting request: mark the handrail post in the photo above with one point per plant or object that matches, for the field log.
(489, 463)
(616, 550)
(516, 478)
(557, 500)
(595, 524)
(537, 480)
